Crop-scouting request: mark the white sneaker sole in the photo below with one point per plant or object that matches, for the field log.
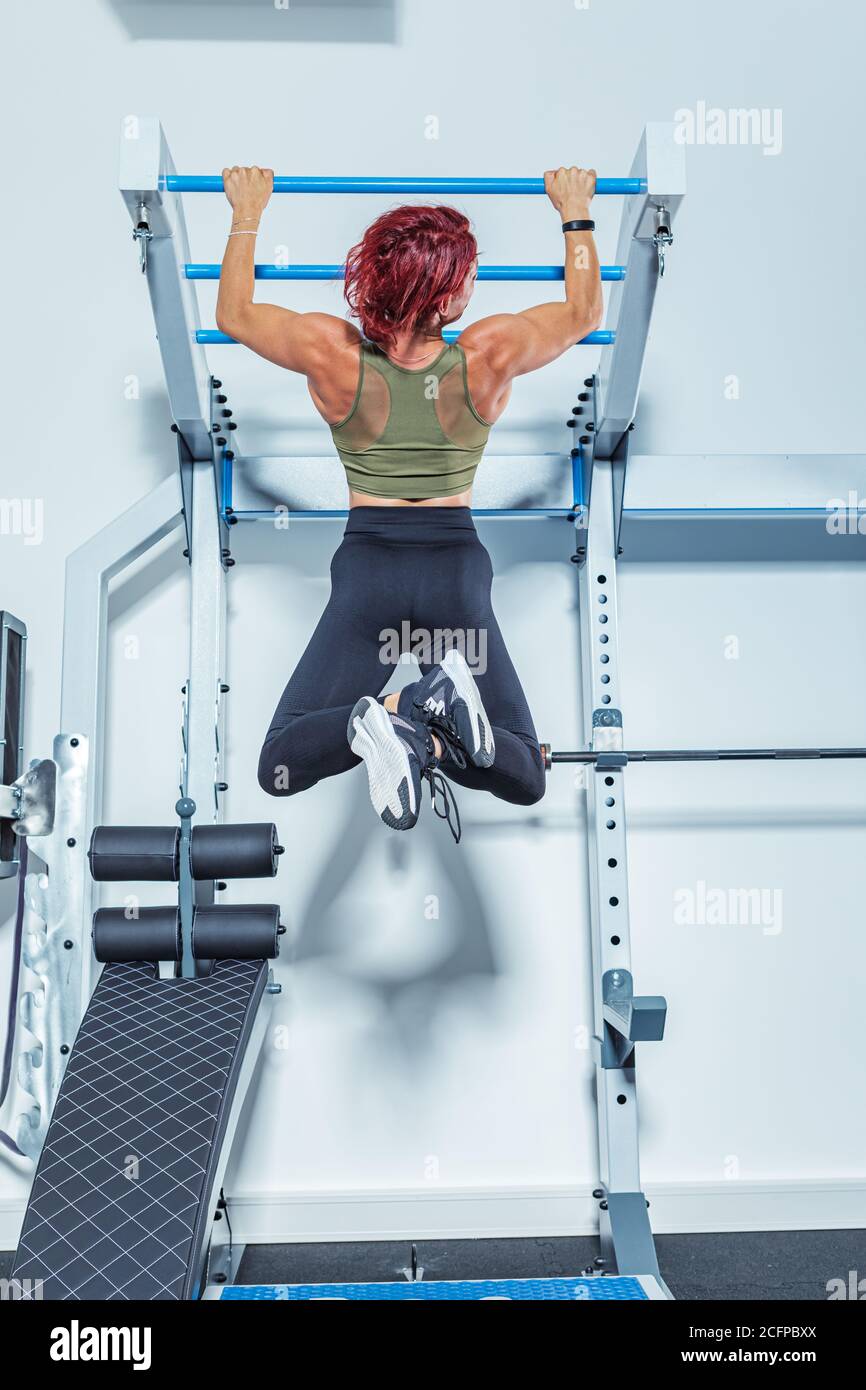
(482, 747)
(372, 737)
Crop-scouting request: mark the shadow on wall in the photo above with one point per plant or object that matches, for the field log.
(408, 950)
(301, 21)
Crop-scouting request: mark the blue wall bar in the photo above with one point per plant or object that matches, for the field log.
(604, 337)
(213, 183)
(336, 272)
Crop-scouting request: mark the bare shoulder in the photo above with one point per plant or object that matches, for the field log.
(333, 364)
(330, 332)
(488, 348)
(490, 339)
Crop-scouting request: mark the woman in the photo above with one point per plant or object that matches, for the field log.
(410, 418)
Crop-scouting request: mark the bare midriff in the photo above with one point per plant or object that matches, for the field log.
(361, 499)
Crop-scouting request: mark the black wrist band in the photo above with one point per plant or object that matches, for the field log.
(581, 226)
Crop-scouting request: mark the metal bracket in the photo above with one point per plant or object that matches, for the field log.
(52, 950)
(583, 453)
(663, 237)
(33, 798)
(619, 469)
(142, 234)
(611, 762)
(586, 454)
(185, 467)
(412, 1271)
(625, 1235)
(224, 1254)
(606, 730)
(223, 428)
(628, 1018)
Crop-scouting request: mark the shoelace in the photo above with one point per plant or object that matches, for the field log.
(444, 726)
(439, 787)
(446, 731)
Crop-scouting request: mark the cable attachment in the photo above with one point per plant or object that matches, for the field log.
(142, 234)
(663, 237)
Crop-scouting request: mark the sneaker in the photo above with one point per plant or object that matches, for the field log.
(448, 701)
(398, 753)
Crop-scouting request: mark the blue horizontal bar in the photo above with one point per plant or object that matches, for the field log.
(337, 272)
(604, 337)
(213, 183)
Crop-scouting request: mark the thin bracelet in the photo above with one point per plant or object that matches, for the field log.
(246, 219)
(255, 233)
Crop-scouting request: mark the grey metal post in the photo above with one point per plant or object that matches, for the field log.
(206, 675)
(660, 159)
(158, 223)
(626, 1239)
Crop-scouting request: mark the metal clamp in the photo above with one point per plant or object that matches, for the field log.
(607, 733)
(142, 234)
(29, 802)
(663, 236)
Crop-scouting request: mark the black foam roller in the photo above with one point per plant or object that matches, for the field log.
(142, 852)
(153, 935)
(234, 851)
(236, 933)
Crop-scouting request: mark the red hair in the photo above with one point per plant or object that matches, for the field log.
(409, 261)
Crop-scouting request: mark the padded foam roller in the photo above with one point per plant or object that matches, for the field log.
(236, 933)
(144, 852)
(153, 935)
(249, 932)
(234, 851)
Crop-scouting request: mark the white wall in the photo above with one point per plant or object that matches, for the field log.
(452, 1048)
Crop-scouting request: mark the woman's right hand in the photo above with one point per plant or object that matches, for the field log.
(570, 190)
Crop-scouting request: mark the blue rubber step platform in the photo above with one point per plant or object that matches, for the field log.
(122, 1198)
(600, 1287)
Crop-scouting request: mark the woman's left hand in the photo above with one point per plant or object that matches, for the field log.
(248, 189)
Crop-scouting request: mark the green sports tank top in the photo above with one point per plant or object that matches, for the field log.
(411, 432)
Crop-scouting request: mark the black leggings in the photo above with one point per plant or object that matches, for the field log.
(400, 577)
